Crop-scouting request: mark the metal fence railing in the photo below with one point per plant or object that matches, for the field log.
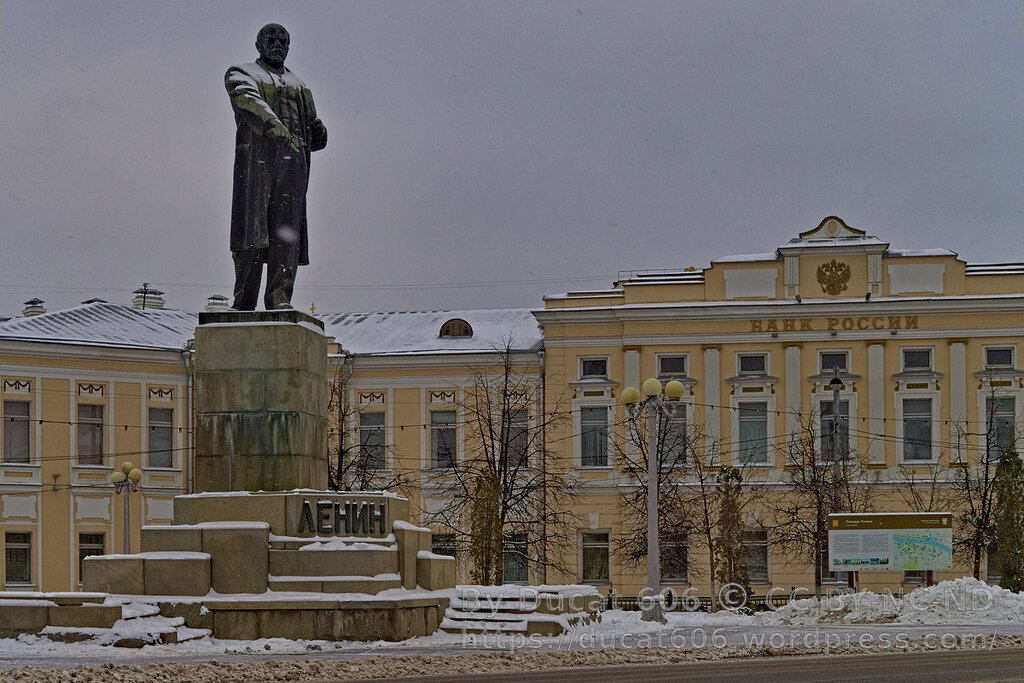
(757, 603)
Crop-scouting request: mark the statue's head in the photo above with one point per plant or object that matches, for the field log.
(272, 43)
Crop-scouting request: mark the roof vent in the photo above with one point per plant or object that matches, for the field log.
(94, 300)
(147, 297)
(33, 307)
(218, 302)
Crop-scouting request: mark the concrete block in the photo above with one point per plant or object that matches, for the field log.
(27, 618)
(113, 574)
(91, 616)
(435, 573)
(432, 619)
(193, 613)
(177, 575)
(348, 562)
(237, 507)
(409, 541)
(238, 557)
(171, 538)
(368, 586)
(236, 624)
(294, 624)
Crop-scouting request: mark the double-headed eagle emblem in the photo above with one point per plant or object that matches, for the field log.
(833, 276)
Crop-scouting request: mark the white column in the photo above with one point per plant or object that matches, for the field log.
(876, 403)
(712, 397)
(957, 393)
(631, 371)
(794, 391)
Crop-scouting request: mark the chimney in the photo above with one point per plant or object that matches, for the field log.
(217, 302)
(147, 297)
(33, 307)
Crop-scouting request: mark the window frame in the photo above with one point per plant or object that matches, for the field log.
(749, 544)
(90, 549)
(98, 424)
(581, 440)
(901, 426)
(379, 430)
(436, 429)
(848, 403)
(737, 414)
(582, 363)
(677, 541)
(23, 422)
(662, 374)
(584, 546)
(845, 353)
(164, 427)
(1011, 348)
(25, 546)
(917, 349)
(763, 355)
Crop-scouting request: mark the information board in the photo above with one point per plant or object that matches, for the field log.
(890, 541)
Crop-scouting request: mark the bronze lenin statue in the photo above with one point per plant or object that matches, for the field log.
(277, 130)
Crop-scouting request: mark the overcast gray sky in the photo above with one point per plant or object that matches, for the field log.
(483, 154)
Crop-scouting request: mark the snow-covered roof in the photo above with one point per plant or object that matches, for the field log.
(105, 324)
(417, 332)
(124, 326)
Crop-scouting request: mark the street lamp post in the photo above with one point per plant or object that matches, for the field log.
(126, 480)
(653, 404)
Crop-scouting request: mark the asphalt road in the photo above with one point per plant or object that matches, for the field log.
(949, 667)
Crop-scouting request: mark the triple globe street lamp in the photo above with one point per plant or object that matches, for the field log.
(126, 480)
(657, 400)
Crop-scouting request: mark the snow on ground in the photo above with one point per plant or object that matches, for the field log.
(959, 601)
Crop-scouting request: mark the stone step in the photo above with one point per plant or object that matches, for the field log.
(360, 559)
(370, 585)
(294, 543)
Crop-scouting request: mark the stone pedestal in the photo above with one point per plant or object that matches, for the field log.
(261, 401)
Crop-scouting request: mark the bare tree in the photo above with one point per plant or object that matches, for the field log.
(506, 493)
(691, 494)
(974, 480)
(357, 445)
(817, 484)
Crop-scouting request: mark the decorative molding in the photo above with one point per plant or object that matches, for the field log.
(442, 397)
(161, 394)
(17, 386)
(90, 389)
(371, 398)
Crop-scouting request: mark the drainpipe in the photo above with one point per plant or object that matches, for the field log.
(186, 356)
(543, 578)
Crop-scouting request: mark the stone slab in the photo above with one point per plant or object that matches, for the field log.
(237, 507)
(354, 562)
(114, 574)
(15, 619)
(177, 576)
(248, 317)
(91, 616)
(238, 558)
(171, 538)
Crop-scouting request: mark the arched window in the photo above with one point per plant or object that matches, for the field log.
(456, 327)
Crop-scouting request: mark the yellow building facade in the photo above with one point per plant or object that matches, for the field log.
(925, 347)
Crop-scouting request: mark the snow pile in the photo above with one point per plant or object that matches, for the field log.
(959, 601)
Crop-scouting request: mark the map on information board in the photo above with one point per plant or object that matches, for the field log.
(892, 541)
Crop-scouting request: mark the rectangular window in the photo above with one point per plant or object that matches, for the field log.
(669, 366)
(753, 363)
(88, 545)
(673, 551)
(917, 429)
(16, 429)
(833, 360)
(18, 557)
(675, 443)
(596, 567)
(1000, 430)
(594, 367)
(835, 436)
(993, 574)
(515, 559)
(161, 437)
(917, 359)
(518, 426)
(594, 435)
(753, 432)
(443, 544)
(755, 554)
(90, 434)
(371, 440)
(1001, 357)
(442, 438)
